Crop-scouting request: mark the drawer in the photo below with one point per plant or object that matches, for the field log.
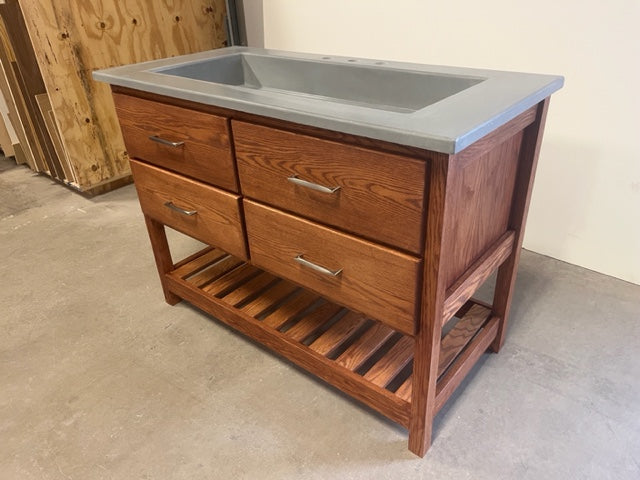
(201, 146)
(380, 195)
(375, 280)
(193, 208)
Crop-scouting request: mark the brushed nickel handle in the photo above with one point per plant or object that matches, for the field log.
(169, 143)
(311, 185)
(175, 208)
(314, 266)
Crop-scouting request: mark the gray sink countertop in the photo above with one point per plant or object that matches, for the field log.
(448, 125)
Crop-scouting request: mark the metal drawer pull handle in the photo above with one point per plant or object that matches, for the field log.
(318, 268)
(311, 185)
(169, 143)
(175, 208)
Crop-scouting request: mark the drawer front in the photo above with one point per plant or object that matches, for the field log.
(380, 195)
(375, 280)
(201, 146)
(173, 199)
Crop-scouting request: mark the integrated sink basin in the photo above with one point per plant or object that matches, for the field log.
(349, 83)
(439, 108)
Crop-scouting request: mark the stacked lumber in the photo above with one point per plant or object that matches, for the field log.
(64, 123)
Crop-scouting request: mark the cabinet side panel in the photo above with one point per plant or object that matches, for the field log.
(482, 193)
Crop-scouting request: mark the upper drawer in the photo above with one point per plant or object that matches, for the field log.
(190, 142)
(380, 195)
(372, 279)
(198, 210)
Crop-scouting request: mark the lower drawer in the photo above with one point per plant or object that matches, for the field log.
(193, 208)
(377, 281)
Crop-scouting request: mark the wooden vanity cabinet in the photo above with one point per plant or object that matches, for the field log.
(345, 255)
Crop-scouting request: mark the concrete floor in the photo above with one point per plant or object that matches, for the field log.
(100, 379)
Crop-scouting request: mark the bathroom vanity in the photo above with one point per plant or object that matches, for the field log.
(351, 208)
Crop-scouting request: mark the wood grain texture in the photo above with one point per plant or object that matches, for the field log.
(217, 221)
(193, 264)
(498, 136)
(482, 191)
(162, 255)
(349, 382)
(231, 279)
(375, 280)
(44, 105)
(460, 335)
(391, 363)
(28, 84)
(314, 321)
(338, 333)
(453, 342)
(462, 290)
(290, 309)
(71, 39)
(19, 114)
(381, 195)
(429, 325)
(215, 271)
(206, 153)
(364, 347)
(464, 363)
(271, 297)
(517, 219)
(332, 135)
(249, 289)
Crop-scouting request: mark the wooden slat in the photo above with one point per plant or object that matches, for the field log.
(460, 335)
(464, 363)
(248, 289)
(212, 273)
(338, 333)
(29, 83)
(197, 262)
(468, 283)
(404, 390)
(239, 275)
(453, 343)
(365, 346)
(349, 382)
(289, 309)
(312, 322)
(266, 300)
(44, 105)
(391, 363)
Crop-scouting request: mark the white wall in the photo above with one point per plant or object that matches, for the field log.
(586, 202)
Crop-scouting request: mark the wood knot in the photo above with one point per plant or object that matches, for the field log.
(178, 18)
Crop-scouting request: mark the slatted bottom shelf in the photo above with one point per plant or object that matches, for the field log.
(359, 355)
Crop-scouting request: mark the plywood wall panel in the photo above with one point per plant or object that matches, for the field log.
(71, 39)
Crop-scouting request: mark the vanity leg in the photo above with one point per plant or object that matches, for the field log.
(162, 255)
(429, 329)
(506, 280)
